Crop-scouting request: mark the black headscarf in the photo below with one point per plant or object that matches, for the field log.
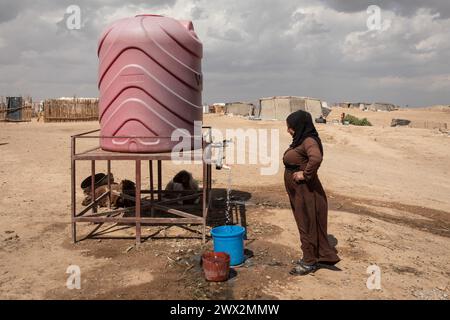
(301, 122)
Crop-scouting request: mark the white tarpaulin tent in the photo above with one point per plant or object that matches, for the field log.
(278, 108)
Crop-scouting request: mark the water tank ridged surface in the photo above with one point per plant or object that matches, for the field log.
(150, 82)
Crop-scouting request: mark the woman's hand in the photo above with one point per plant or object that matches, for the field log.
(298, 176)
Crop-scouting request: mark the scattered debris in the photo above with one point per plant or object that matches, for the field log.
(129, 249)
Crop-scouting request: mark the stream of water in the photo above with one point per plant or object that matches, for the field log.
(228, 208)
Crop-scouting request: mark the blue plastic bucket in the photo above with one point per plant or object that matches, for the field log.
(230, 239)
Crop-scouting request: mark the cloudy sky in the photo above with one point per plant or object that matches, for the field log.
(253, 48)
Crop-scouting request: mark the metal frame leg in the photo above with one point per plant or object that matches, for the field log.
(209, 178)
(205, 194)
(159, 180)
(94, 208)
(138, 202)
(152, 187)
(73, 194)
(109, 183)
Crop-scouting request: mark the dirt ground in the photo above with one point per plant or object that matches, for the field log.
(389, 200)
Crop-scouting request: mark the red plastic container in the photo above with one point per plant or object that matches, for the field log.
(150, 82)
(216, 266)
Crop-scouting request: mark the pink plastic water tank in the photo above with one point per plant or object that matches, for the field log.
(150, 83)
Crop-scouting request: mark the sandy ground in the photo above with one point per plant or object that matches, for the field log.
(389, 200)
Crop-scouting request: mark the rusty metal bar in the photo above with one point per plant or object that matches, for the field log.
(167, 192)
(85, 136)
(189, 197)
(209, 184)
(152, 187)
(106, 155)
(94, 208)
(109, 183)
(159, 179)
(174, 211)
(138, 201)
(204, 208)
(186, 206)
(85, 133)
(88, 151)
(73, 190)
(158, 205)
(124, 196)
(112, 213)
(92, 204)
(132, 220)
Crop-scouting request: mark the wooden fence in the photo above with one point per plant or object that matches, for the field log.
(429, 125)
(66, 110)
(2, 112)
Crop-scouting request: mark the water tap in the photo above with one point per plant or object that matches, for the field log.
(221, 157)
(226, 167)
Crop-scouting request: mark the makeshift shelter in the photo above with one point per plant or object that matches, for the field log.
(71, 109)
(217, 108)
(381, 107)
(16, 109)
(278, 108)
(326, 110)
(344, 105)
(364, 106)
(239, 109)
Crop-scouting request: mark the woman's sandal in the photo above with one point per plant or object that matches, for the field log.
(295, 262)
(302, 269)
(319, 264)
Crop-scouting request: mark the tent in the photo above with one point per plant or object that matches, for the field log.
(239, 109)
(278, 108)
(377, 106)
(217, 108)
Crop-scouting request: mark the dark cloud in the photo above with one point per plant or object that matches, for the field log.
(253, 48)
(9, 10)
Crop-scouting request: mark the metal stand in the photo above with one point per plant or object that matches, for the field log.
(90, 214)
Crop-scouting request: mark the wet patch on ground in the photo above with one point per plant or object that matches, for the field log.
(168, 267)
(436, 222)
